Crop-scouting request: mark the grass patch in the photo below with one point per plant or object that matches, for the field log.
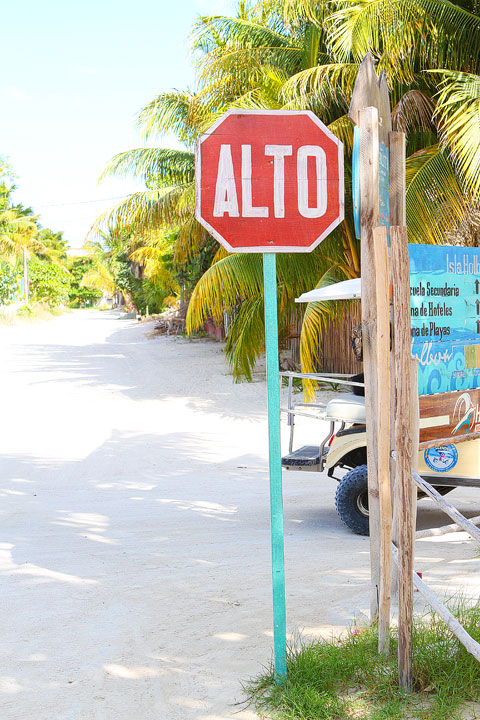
(31, 312)
(345, 679)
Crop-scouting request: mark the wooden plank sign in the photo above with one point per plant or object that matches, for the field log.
(269, 181)
(450, 414)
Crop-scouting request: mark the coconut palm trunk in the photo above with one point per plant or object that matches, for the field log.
(25, 276)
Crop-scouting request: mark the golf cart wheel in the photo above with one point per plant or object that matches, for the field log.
(351, 500)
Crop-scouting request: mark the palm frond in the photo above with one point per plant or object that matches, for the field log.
(314, 11)
(403, 32)
(327, 83)
(435, 201)
(99, 278)
(239, 276)
(191, 238)
(220, 254)
(246, 338)
(343, 129)
(225, 283)
(170, 112)
(211, 32)
(458, 110)
(142, 211)
(414, 110)
(153, 165)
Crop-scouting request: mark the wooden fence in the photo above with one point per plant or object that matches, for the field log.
(335, 352)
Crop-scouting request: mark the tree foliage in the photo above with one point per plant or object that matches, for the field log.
(79, 295)
(49, 283)
(305, 54)
(27, 248)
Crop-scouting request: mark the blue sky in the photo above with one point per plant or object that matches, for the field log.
(74, 76)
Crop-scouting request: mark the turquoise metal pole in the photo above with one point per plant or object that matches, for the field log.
(275, 463)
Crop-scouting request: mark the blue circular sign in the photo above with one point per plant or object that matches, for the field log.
(441, 459)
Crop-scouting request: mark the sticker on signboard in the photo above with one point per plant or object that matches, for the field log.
(441, 459)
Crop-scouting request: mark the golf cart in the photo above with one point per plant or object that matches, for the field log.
(342, 453)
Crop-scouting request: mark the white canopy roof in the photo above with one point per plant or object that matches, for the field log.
(346, 290)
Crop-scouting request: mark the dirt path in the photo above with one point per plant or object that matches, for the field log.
(134, 548)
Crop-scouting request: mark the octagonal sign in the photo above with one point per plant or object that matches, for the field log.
(269, 181)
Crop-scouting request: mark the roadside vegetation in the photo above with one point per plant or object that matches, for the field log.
(36, 276)
(347, 678)
(150, 252)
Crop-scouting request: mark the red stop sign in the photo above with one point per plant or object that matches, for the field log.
(269, 181)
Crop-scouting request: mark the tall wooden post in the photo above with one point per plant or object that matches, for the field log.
(398, 216)
(370, 111)
(382, 372)
(368, 132)
(25, 276)
(404, 451)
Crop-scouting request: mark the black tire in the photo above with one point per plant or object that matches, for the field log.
(351, 500)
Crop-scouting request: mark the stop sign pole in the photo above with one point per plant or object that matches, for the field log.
(275, 463)
(270, 181)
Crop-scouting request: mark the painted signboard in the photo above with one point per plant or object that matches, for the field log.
(451, 414)
(445, 316)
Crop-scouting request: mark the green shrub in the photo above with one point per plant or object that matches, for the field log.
(48, 283)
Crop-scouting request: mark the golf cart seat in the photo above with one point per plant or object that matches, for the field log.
(349, 409)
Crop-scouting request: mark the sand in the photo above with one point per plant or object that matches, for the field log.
(134, 551)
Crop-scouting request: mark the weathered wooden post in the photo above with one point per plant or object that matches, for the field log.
(370, 111)
(405, 411)
(382, 362)
(404, 505)
(398, 216)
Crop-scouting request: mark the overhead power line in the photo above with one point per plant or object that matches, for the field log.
(83, 202)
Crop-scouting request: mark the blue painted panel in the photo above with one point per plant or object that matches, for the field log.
(383, 183)
(445, 316)
(384, 187)
(356, 181)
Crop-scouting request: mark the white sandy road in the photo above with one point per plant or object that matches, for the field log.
(134, 547)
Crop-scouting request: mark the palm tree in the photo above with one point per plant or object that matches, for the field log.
(110, 273)
(458, 112)
(303, 54)
(154, 253)
(54, 246)
(18, 231)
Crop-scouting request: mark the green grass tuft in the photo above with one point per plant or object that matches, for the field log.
(345, 679)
